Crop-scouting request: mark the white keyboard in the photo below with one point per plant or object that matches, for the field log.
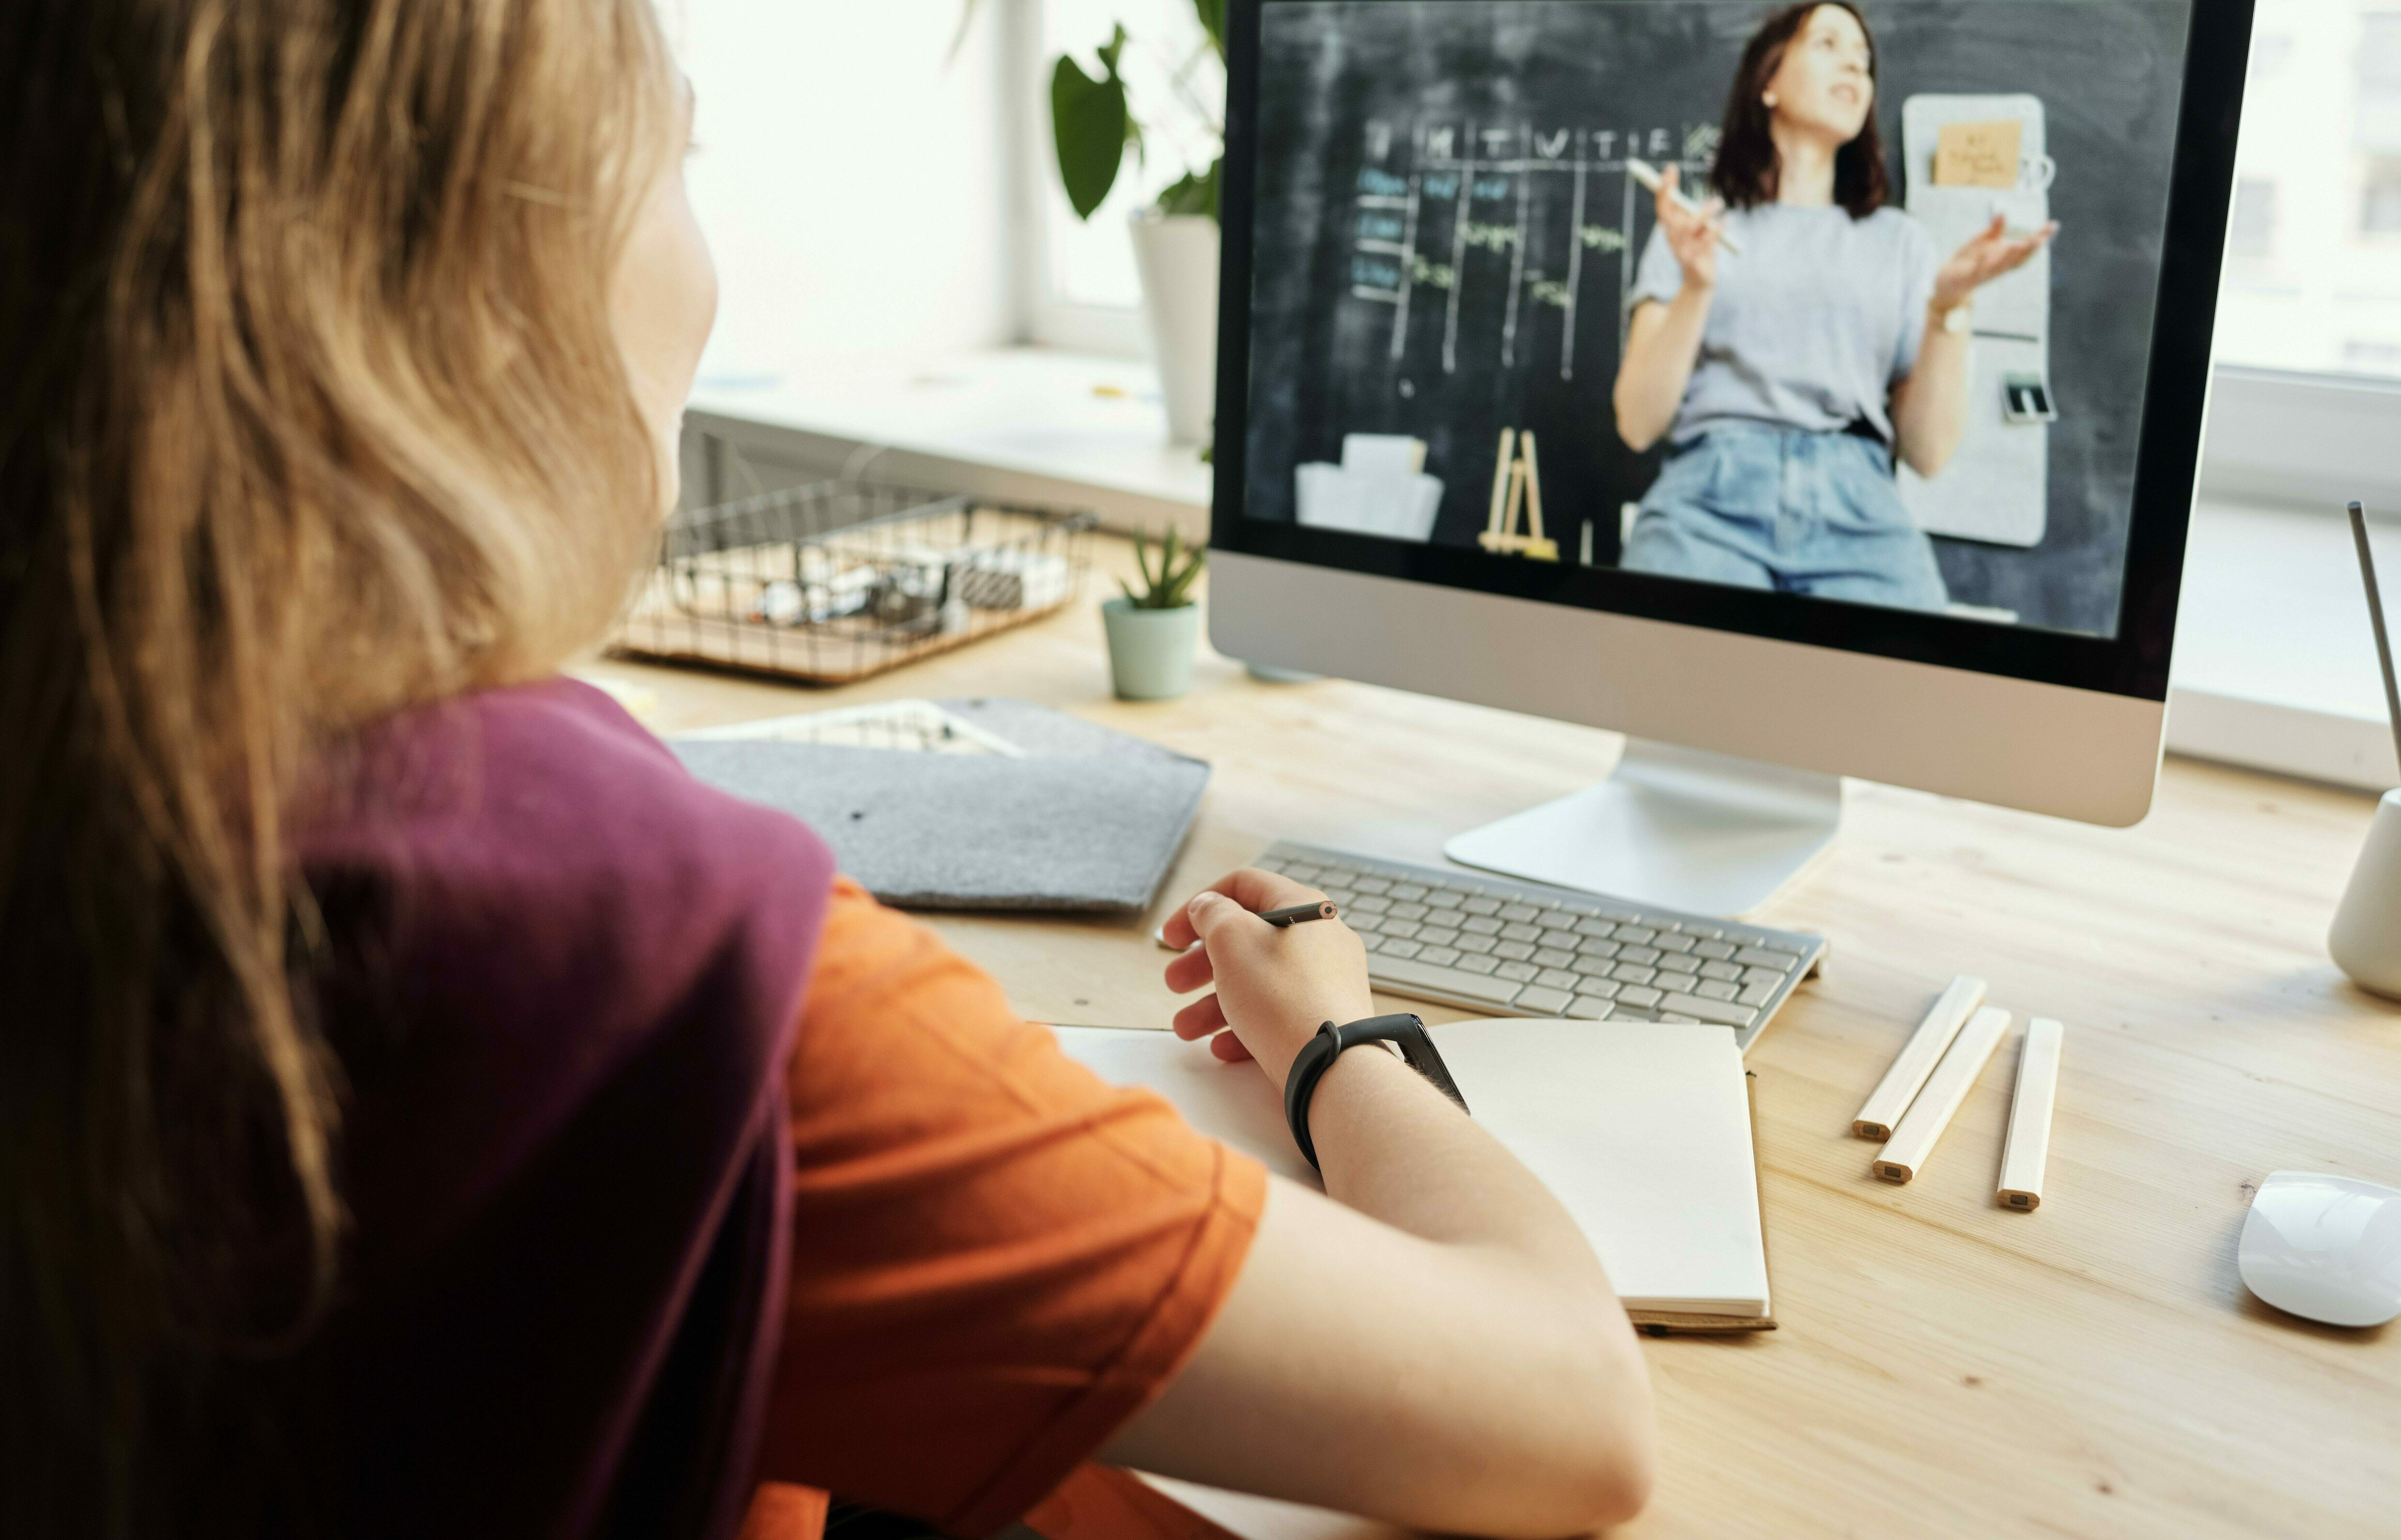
(1512, 948)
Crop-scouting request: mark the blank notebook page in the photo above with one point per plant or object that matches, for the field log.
(1642, 1130)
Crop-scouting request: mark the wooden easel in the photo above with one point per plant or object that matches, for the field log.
(1517, 481)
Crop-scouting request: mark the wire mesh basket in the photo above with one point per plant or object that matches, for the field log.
(838, 580)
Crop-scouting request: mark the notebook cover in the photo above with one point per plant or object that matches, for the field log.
(1659, 1322)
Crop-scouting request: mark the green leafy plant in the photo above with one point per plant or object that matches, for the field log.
(1094, 126)
(1171, 586)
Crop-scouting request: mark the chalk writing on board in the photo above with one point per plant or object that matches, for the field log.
(1432, 195)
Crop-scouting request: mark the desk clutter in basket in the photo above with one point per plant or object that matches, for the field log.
(839, 580)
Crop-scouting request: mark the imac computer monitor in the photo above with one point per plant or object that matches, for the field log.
(1803, 390)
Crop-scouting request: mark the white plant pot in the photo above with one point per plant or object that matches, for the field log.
(1177, 257)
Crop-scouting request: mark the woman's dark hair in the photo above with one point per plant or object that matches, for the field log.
(1748, 168)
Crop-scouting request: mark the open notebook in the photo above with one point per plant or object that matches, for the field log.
(1643, 1130)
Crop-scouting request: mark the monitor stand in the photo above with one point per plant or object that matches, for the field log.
(1706, 833)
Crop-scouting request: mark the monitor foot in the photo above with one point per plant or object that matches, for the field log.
(1706, 833)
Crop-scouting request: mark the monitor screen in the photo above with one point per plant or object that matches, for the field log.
(1849, 323)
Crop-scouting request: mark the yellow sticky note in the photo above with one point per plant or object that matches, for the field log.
(1978, 154)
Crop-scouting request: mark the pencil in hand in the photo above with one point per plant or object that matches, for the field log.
(1322, 910)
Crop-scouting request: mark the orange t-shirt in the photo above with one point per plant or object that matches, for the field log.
(996, 1258)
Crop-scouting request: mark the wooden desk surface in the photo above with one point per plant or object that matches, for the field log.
(1944, 1367)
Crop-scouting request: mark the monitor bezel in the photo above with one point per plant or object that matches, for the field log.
(2133, 663)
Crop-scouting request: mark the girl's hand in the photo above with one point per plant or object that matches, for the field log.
(1984, 259)
(1274, 986)
(1692, 236)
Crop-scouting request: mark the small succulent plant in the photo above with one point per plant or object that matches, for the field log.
(1170, 587)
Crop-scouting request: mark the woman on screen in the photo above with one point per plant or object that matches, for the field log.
(1788, 375)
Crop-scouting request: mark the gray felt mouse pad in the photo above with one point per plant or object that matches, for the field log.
(1089, 820)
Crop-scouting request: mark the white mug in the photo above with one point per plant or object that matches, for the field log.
(2366, 939)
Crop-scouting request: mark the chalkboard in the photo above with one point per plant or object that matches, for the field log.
(1445, 233)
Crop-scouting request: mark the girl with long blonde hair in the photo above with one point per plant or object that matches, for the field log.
(423, 1109)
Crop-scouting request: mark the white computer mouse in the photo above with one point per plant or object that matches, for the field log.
(2326, 1247)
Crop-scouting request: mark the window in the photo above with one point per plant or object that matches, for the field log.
(2251, 226)
(2309, 266)
(2380, 202)
(1086, 268)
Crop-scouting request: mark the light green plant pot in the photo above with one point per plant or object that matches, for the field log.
(1151, 651)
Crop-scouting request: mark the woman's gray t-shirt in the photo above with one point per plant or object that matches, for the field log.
(1811, 325)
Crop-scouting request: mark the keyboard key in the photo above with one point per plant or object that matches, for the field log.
(1599, 989)
(1668, 964)
(1644, 955)
(1302, 871)
(1588, 1007)
(1674, 943)
(1762, 975)
(1785, 943)
(1565, 940)
(1481, 906)
(1638, 934)
(1400, 949)
(1441, 956)
(1641, 999)
(1714, 989)
(1452, 918)
(1451, 980)
(1411, 890)
(1726, 971)
(1707, 1011)
(1366, 925)
(1513, 951)
(1475, 944)
(1601, 927)
(1700, 933)
(1758, 993)
(1341, 896)
(1521, 932)
(1629, 1014)
(1556, 978)
(1761, 957)
(1437, 935)
(1522, 971)
(1683, 1021)
(1372, 884)
(1481, 924)
(1592, 946)
(1633, 973)
(1372, 943)
(1542, 1001)
(1520, 912)
(1408, 911)
(1399, 930)
(1714, 951)
(1551, 957)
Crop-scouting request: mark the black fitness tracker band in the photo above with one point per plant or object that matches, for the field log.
(1405, 1031)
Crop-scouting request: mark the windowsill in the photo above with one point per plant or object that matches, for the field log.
(2275, 666)
(1022, 423)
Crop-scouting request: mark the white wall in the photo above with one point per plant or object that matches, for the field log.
(852, 176)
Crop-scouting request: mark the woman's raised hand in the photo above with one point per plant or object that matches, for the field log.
(1274, 986)
(1984, 258)
(1692, 236)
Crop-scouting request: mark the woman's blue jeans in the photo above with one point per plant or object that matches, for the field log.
(1800, 512)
